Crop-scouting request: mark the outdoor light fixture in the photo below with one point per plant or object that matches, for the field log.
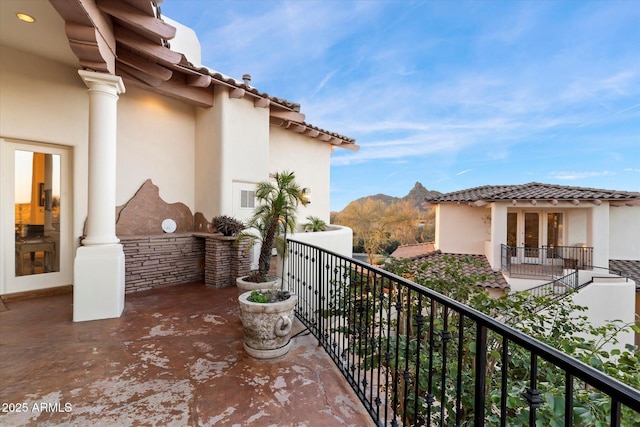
(306, 192)
(26, 18)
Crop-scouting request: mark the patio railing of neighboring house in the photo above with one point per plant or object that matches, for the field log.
(544, 261)
(416, 357)
(558, 287)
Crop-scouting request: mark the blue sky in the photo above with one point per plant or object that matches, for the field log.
(453, 94)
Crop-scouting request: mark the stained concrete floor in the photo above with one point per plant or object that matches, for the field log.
(174, 358)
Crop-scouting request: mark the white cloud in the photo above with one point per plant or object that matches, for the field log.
(578, 175)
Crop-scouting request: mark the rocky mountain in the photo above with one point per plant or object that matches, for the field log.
(416, 196)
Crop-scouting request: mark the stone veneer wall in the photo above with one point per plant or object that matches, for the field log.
(162, 260)
(225, 260)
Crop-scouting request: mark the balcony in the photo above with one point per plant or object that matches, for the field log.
(416, 357)
(391, 353)
(544, 261)
(174, 358)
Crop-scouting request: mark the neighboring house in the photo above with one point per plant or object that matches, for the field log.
(535, 233)
(102, 96)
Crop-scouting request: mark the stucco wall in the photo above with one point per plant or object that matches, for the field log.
(155, 140)
(576, 226)
(232, 146)
(608, 301)
(311, 166)
(461, 229)
(47, 107)
(624, 232)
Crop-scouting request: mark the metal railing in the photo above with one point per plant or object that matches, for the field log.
(416, 357)
(544, 261)
(558, 287)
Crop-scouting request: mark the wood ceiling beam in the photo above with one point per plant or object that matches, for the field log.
(148, 25)
(262, 102)
(144, 6)
(287, 115)
(236, 93)
(175, 88)
(144, 46)
(140, 75)
(201, 80)
(139, 63)
(90, 34)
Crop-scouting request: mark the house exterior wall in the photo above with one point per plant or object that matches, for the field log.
(155, 141)
(624, 232)
(461, 229)
(46, 107)
(598, 234)
(232, 146)
(576, 226)
(609, 301)
(312, 162)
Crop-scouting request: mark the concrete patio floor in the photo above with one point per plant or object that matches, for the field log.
(174, 358)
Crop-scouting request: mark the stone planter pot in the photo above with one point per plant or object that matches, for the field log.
(267, 326)
(244, 286)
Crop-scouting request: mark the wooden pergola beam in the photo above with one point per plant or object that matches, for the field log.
(142, 45)
(175, 88)
(147, 25)
(294, 116)
(139, 63)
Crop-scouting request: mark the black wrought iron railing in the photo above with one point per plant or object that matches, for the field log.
(558, 287)
(544, 261)
(416, 357)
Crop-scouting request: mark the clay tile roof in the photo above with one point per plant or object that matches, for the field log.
(413, 251)
(630, 268)
(435, 263)
(533, 191)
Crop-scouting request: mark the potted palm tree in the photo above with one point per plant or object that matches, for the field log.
(266, 311)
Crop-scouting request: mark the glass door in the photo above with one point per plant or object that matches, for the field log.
(36, 219)
(531, 237)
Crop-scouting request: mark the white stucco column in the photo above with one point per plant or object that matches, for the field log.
(598, 234)
(103, 109)
(99, 263)
(498, 234)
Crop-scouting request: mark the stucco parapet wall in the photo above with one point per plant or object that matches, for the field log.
(336, 238)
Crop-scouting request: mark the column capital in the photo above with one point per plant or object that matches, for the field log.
(93, 79)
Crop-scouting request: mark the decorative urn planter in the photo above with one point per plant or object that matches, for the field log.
(267, 325)
(245, 286)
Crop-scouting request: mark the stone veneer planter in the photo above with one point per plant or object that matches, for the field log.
(225, 259)
(267, 326)
(162, 260)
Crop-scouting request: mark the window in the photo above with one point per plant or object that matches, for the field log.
(247, 199)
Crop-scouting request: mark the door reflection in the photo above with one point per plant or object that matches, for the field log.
(37, 213)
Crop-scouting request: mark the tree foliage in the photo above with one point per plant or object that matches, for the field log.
(560, 324)
(278, 200)
(378, 226)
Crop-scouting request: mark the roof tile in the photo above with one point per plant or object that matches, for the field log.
(533, 191)
(436, 262)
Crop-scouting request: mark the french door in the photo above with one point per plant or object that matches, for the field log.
(35, 217)
(531, 231)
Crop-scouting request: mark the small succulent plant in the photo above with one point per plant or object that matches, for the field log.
(268, 296)
(227, 225)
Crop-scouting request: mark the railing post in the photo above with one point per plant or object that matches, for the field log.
(481, 375)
